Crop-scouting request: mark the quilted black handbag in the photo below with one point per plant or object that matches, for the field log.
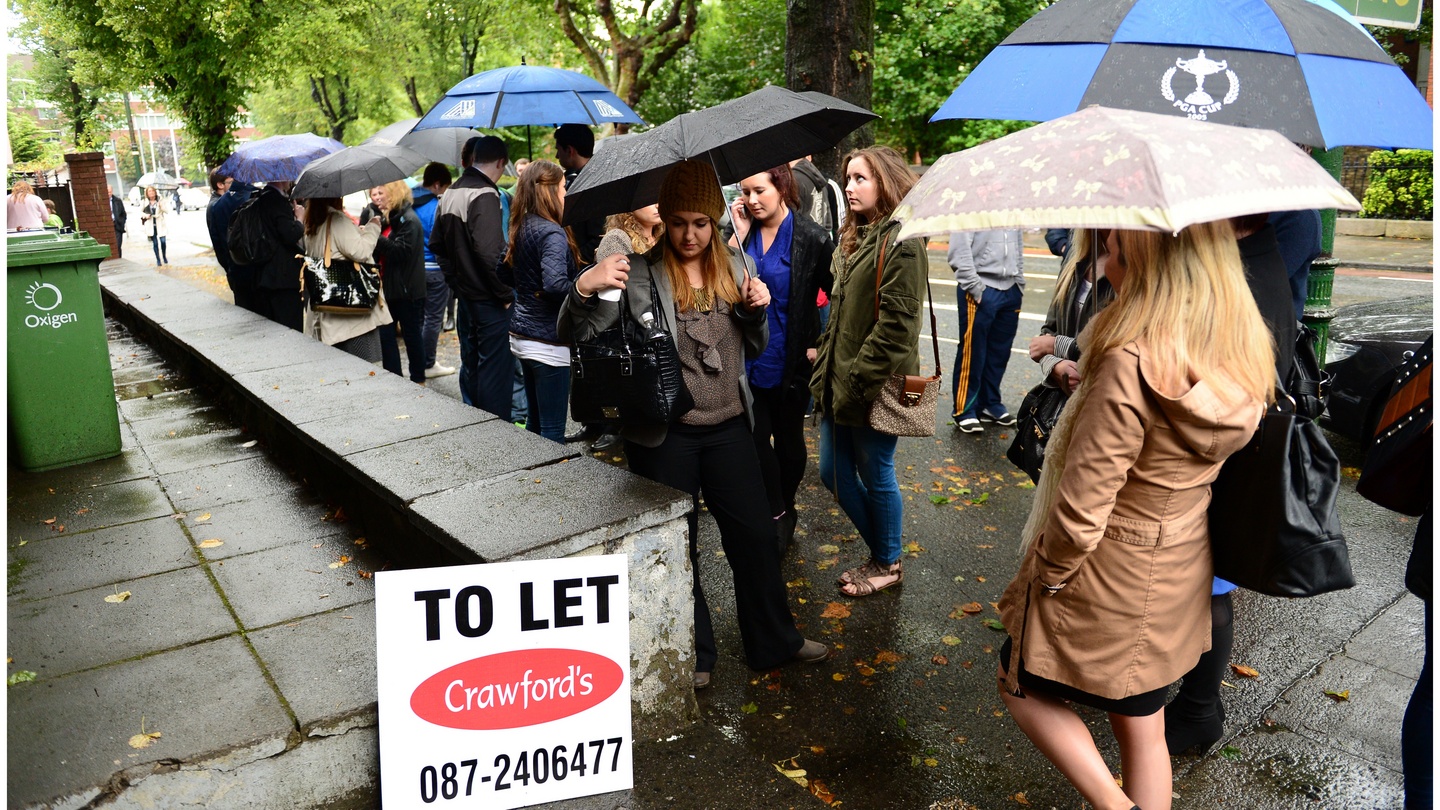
(1035, 420)
(629, 374)
(1274, 521)
(341, 286)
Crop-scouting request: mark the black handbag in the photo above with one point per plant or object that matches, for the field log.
(1036, 419)
(1397, 472)
(1274, 519)
(629, 374)
(341, 286)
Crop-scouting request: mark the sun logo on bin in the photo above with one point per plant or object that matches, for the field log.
(42, 296)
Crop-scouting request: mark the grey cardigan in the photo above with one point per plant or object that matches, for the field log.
(583, 318)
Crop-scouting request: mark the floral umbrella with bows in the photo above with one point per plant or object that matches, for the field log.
(1106, 168)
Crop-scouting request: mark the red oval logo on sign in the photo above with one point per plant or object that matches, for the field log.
(516, 688)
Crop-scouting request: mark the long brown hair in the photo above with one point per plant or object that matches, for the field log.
(893, 180)
(715, 263)
(537, 192)
(317, 211)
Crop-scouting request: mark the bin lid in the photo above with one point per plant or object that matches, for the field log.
(53, 249)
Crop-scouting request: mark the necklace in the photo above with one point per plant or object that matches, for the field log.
(702, 298)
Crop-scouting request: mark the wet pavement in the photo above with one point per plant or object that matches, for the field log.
(905, 715)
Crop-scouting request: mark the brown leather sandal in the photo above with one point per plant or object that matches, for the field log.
(862, 578)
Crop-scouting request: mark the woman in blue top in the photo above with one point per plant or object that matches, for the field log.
(542, 254)
(791, 255)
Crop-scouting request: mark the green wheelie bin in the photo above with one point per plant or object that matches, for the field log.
(60, 391)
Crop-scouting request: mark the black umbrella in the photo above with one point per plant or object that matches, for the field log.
(738, 138)
(442, 145)
(356, 168)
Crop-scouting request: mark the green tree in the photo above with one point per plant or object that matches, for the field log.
(923, 50)
(628, 63)
(713, 69)
(30, 149)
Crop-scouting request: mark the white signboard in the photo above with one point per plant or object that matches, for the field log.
(503, 685)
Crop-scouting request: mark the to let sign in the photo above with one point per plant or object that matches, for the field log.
(503, 685)
(1389, 13)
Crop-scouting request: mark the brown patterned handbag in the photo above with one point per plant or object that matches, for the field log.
(907, 403)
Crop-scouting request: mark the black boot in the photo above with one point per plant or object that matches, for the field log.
(785, 530)
(1195, 719)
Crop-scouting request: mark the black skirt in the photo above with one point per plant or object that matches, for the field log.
(1141, 705)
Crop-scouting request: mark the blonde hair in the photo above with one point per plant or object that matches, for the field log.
(1186, 296)
(21, 190)
(398, 195)
(893, 180)
(715, 269)
(640, 241)
(538, 192)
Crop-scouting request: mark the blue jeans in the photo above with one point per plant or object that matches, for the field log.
(519, 401)
(437, 295)
(858, 465)
(547, 390)
(158, 243)
(409, 314)
(1417, 742)
(487, 368)
(987, 330)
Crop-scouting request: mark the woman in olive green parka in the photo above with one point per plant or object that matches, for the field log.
(858, 353)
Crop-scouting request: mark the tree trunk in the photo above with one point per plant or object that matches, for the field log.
(830, 47)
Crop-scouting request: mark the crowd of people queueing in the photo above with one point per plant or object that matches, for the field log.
(780, 305)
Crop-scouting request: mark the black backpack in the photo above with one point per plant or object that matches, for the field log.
(249, 234)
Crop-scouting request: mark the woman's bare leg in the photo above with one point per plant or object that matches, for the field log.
(1063, 738)
(1144, 759)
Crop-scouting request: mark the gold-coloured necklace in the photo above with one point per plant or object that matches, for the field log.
(702, 298)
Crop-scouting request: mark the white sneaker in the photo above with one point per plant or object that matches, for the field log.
(438, 370)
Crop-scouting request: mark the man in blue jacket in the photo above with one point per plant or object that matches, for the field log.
(437, 293)
(226, 196)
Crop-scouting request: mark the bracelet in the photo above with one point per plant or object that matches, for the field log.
(582, 295)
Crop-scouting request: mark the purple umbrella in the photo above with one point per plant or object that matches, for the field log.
(279, 158)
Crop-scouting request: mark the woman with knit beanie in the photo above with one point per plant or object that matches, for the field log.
(715, 311)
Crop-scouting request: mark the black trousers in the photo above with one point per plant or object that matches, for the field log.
(281, 306)
(780, 417)
(718, 461)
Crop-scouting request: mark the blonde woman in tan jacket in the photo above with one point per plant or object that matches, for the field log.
(355, 334)
(1111, 604)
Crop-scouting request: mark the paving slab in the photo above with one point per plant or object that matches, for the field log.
(420, 414)
(205, 487)
(1394, 641)
(80, 630)
(179, 452)
(324, 665)
(71, 733)
(296, 580)
(308, 392)
(252, 346)
(168, 406)
(86, 509)
(128, 466)
(69, 562)
(278, 519)
(441, 461)
(526, 513)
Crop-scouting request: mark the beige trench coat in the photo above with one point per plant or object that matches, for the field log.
(1127, 535)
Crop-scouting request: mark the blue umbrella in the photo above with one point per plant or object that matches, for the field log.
(1302, 67)
(277, 158)
(525, 95)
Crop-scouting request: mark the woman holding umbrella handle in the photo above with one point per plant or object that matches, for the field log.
(695, 286)
(1112, 601)
(858, 353)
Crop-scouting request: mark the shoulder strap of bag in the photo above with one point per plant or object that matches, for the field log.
(325, 255)
(929, 300)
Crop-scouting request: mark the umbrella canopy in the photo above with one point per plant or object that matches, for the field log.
(738, 138)
(157, 179)
(1104, 168)
(1302, 67)
(528, 94)
(278, 158)
(442, 144)
(356, 168)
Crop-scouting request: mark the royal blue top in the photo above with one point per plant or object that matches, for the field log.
(773, 268)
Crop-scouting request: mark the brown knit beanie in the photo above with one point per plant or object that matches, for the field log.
(692, 186)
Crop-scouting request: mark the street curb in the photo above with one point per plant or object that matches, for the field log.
(1399, 268)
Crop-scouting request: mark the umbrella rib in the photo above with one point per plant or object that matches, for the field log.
(495, 111)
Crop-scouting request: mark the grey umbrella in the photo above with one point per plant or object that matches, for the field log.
(441, 145)
(739, 138)
(356, 168)
(158, 179)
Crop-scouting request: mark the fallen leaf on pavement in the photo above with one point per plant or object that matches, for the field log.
(995, 624)
(1021, 800)
(1338, 697)
(48, 522)
(213, 542)
(117, 598)
(888, 657)
(949, 641)
(203, 518)
(750, 708)
(1244, 671)
(364, 574)
(249, 444)
(23, 676)
(144, 740)
(821, 792)
(931, 762)
(81, 511)
(797, 775)
(972, 608)
(939, 660)
(828, 549)
(839, 676)
(835, 610)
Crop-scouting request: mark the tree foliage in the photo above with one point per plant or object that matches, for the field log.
(717, 67)
(923, 50)
(627, 44)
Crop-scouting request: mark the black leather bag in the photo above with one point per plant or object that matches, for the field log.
(1035, 420)
(629, 374)
(339, 285)
(1274, 521)
(1398, 469)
